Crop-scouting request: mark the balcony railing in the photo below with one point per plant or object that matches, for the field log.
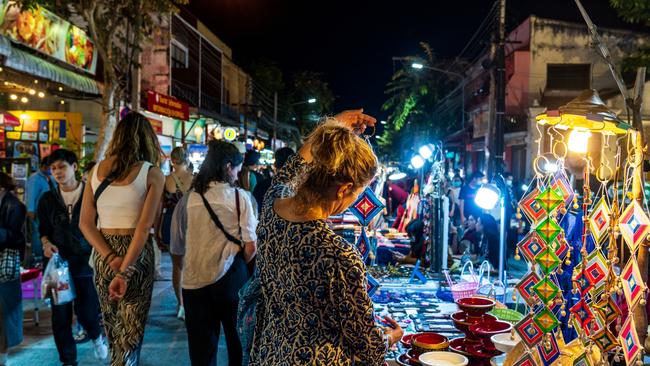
(185, 92)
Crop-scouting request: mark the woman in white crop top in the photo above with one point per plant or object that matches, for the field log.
(117, 225)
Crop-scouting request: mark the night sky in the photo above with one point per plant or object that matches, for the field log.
(352, 42)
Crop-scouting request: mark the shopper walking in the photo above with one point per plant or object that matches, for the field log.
(314, 308)
(37, 184)
(467, 195)
(177, 183)
(12, 248)
(214, 232)
(58, 214)
(124, 196)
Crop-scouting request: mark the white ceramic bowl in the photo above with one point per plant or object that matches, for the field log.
(504, 342)
(443, 359)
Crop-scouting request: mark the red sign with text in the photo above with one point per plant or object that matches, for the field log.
(167, 106)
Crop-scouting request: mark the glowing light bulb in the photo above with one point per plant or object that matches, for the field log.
(13, 97)
(24, 100)
(426, 152)
(579, 141)
(417, 161)
(487, 196)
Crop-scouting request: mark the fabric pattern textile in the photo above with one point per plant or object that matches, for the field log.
(314, 308)
(124, 320)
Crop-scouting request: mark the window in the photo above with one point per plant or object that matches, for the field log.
(179, 55)
(568, 76)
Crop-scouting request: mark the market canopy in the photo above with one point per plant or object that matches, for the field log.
(586, 112)
(26, 62)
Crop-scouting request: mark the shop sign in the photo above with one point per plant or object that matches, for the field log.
(167, 106)
(45, 32)
(157, 125)
(230, 134)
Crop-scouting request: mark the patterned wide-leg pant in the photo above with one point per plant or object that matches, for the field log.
(125, 319)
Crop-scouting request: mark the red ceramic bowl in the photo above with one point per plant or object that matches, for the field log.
(458, 345)
(475, 306)
(485, 331)
(406, 340)
(427, 342)
(462, 322)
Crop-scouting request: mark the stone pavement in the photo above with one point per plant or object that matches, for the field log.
(165, 339)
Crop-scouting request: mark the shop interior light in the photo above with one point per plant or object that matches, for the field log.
(417, 161)
(24, 116)
(41, 94)
(426, 152)
(13, 97)
(487, 196)
(32, 91)
(397, 176)
(24, 100)
(579, 141)
(62, 101)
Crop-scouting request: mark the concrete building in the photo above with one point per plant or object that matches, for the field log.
(548, 63)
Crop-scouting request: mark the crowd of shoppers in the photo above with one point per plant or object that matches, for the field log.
(101, 225)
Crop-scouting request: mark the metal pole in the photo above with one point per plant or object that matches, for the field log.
(502, 240)
(501, 92)
(275, 119)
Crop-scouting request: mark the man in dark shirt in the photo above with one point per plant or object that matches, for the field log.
(58, 213)
(466, 197)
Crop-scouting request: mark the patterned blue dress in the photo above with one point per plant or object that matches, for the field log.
(314, 308)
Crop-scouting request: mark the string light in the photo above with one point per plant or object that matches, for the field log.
(41, 94)
(24, 100)
(13, 97)
(32, 91)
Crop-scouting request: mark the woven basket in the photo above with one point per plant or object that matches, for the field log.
(463, 289)
(508, 315)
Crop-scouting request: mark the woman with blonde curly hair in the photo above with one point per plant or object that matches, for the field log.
(119, 208)
(314, 308)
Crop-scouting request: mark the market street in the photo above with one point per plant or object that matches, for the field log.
(165, 339)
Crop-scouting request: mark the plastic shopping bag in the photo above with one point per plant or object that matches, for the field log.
(57, 287)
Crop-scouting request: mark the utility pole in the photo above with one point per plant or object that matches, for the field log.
(497, 160)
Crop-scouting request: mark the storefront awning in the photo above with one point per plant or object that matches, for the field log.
(26, 62)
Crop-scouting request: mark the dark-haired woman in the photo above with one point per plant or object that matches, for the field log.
(12, 247)
(213, 228)
(128, 186)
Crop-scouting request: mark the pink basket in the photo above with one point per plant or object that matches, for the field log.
(464, 289)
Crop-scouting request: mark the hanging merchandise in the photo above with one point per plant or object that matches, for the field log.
(365, 208)
(583, 245)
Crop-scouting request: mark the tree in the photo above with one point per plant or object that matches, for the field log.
(307, 85)
(413, 105)
(118, 28)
